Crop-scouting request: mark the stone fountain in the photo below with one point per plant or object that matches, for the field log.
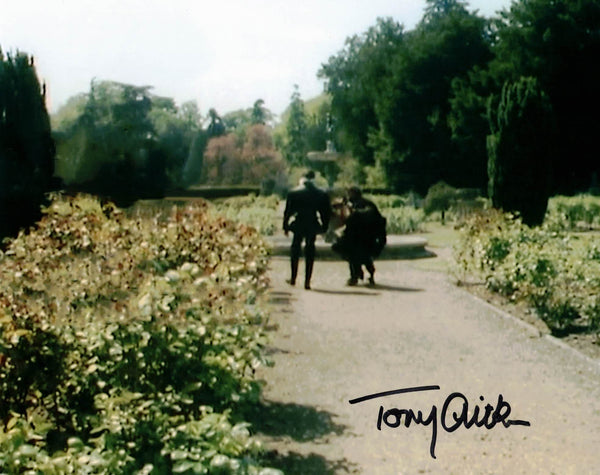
(325, 162)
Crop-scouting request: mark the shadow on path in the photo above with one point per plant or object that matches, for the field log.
(294, 463)
(302, 424)
(395, 288)
(344, 292)
(370, 290)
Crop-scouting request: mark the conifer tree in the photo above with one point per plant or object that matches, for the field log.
(520, 150)
(26, 146)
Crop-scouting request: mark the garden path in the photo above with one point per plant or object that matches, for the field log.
(415, 328)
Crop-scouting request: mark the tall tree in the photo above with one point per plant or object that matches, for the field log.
(521, 150)
(262, 163)
(295, 146)
(354, 78)
(558, 42)
(469, 127)
(414, 109)
(26, 145)
(176, 130)
(259, 113)
(112, 148)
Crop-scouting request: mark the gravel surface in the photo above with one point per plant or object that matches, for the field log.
(415, 328)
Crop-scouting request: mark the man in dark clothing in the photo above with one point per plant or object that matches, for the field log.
(364, 236)
(307, 213)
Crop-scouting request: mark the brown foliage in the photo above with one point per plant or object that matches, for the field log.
(229, 162)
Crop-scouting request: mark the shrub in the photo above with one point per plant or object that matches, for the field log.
(260, 212)
(439, 198)
(128, 344)
(556, 274)
(403, 220)
(573, 212)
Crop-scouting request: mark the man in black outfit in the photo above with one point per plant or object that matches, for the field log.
(307, 213)
(364, 236)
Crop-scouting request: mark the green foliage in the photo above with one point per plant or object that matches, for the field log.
(557, 43)
(259, 212)
(390, 201)
(404, 220)
(414, 113)
(557, 274)
(112, 148)
(439, 198)
(26, 146)
(469, 126)
(572, 213)
(179, 135)
(390, 93)
(521, 150)
(216, 127)
(295, 144)
(355, 79)
(128, 344)
(415, 102)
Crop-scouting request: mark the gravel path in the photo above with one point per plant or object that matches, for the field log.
(335, 343)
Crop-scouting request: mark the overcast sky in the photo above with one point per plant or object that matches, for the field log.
(224, 54)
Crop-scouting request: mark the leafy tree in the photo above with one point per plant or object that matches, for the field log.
(260, 114)
(318, 124)
(414, 109)
(262, 162)
(26, 146)
(238, 121)
(354, 79)
(112, 149)
(521, 150)
(176, 129)
(469, 126)
(558, 43)
(439, 198)
(222, 163)
(295, 145)
(194, 164)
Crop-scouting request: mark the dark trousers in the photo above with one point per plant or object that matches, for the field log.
(356, 272)
(309, 255)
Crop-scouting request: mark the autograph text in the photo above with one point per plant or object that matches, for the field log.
(453, 415)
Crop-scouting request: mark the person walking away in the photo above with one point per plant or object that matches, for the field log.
(307, 213)
(364, 236)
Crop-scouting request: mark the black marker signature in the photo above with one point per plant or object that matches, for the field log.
(488, 418)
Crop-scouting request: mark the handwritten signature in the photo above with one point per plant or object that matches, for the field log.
(488, 416)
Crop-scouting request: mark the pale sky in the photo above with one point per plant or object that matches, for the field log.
(224, 54)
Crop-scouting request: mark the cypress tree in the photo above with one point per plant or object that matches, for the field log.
(520, 150)
(26, 146)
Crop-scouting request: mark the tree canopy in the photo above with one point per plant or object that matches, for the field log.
(416, 102)
(27, 150)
